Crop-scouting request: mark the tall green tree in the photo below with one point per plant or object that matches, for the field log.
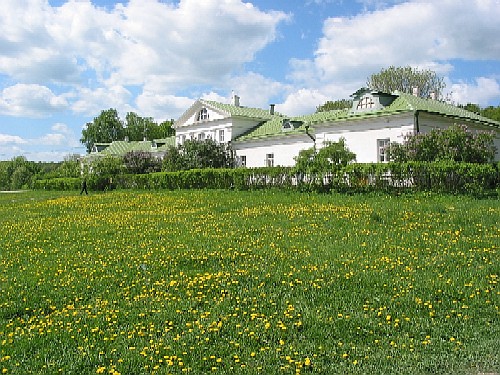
(404, 79)
(107, 127)
(138, 128)
(166, 129)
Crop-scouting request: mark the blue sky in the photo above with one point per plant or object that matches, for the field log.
(63, 62)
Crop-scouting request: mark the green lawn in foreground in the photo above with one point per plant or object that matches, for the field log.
(225, 282)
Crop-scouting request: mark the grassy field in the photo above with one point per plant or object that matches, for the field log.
(248, 282)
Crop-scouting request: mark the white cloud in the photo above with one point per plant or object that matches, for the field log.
(423, 34)
(92, 101)
(30, 100)
(161, 106)
(79, 45)
(62, 136)
(11, 139)
(302, 102)
(484, 90)
(419, 33)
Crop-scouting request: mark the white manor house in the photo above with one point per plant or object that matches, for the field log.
(263, 137)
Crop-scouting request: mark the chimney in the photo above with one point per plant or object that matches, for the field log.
(415, 91)
(236, 100)
(271, 109)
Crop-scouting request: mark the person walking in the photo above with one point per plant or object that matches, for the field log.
(84, 188)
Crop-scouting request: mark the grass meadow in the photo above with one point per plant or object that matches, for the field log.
(265, 282)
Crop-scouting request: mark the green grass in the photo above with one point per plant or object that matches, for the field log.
(248, 282)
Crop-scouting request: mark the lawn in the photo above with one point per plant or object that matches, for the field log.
(137, 282)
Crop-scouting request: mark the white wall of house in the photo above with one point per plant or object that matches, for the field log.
(283, 151)
(366, 137)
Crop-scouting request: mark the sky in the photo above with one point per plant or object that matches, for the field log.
(62, 62)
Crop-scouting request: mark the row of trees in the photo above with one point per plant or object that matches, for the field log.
(19, 173)
(108, 127)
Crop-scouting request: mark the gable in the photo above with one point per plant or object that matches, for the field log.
(200, 112)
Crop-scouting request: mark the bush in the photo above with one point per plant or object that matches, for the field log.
(455, 143)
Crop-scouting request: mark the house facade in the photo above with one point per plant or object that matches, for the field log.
(263, 137)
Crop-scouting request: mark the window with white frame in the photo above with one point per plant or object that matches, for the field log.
(202, 115)
(366, 103)
(243, 160)
(269, 160)
(201, 136)
(221, 135)
(382, 146)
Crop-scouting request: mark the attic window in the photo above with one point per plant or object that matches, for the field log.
(288, 125)
(366, 103)
(202, 115)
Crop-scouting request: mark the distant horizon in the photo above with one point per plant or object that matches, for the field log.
(63, 62)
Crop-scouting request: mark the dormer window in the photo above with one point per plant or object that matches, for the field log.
(288, 125)
(202, 115)
(365, 103)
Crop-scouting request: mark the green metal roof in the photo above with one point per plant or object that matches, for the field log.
(237, 111)
(120, 148)
(404, 103)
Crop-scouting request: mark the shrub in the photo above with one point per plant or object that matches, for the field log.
(455, 143)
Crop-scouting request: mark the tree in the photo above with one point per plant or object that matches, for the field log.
(107, 127)
(141, 162)
(18, 173)
(471, 107)
(139, 128)
(334, 105)
(455, 143)
(194, 154)
(328, 160)
(166, 129)
(404, 79)
(491, 112)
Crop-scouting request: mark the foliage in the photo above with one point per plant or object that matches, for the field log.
(316, 165)
(105, 128)
(471, 107)
(334, 105)
(108, 127)
(455, 143)
(107, 166)
(18, 173)
(61, 184)
(194, 154)
(491, 112)
(165, 129)
(138, 128)
(141, 162)
(404, 79)
(263, 282)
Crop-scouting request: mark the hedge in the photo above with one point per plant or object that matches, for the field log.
(449, 177)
